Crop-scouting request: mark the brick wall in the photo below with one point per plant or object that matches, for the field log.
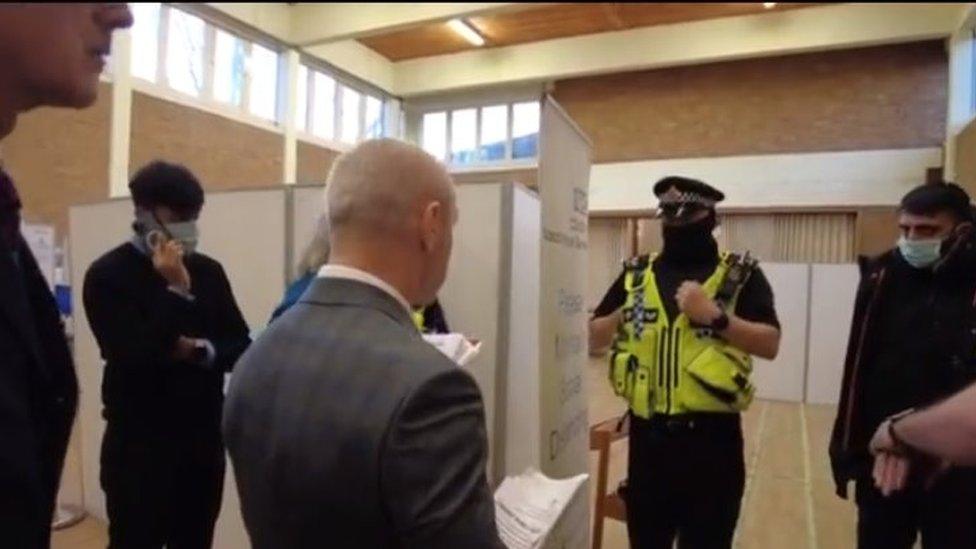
(313, 163)
(59, 157)
(223, 153)
(885, 97)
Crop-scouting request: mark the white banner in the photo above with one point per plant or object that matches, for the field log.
(564, 174)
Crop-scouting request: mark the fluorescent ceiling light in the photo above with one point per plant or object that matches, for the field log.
(465, 30)
(769, 5)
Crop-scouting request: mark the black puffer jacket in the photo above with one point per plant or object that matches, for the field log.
(957, 311)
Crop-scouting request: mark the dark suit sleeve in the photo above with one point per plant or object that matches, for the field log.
(433, 467)
(841, 458)
(125, 333)
(231, 336)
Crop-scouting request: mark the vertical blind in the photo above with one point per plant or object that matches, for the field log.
(791, 237)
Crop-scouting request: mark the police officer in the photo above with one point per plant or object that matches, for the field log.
(684, 325)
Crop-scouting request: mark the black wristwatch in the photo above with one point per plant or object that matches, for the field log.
(721, 323)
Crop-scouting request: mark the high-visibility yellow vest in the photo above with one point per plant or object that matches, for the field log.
(668, 368)
(418, 318)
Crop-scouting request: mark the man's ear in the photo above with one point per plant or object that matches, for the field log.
(430, 224)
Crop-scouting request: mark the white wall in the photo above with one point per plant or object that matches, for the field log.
(359, 61)
(832, 291)
(839, 179)
(960, 109)
(783, 378)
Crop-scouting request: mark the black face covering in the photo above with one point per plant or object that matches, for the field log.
(691, 244)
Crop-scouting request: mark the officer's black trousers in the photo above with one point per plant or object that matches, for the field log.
(684, 481)
(162, 490)
(945, 514)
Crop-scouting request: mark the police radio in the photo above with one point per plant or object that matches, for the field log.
(740, 269)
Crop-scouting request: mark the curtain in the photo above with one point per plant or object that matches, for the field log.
(791, 237)
(815, 238)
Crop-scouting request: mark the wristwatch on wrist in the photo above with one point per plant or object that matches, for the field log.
(721, 323)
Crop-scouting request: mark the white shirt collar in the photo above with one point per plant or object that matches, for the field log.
(352, 273)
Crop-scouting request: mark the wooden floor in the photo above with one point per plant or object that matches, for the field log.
(789, 500)
(89, 534)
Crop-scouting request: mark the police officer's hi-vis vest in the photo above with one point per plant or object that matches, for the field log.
(668, 368)
(418, 318)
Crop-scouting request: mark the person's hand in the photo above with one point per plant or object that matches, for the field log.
(603, 328)
(882, 441)
(167, 258)
(696, 305)
(890, 472)
(185, 348)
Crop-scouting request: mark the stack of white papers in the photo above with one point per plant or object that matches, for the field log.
(455, 347)
(528, 507)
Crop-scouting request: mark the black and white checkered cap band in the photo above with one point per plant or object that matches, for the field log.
(674, 196)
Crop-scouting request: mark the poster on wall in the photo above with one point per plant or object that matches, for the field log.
(40, 240)
(564, 175)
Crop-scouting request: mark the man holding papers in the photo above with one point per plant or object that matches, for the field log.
(344, 427)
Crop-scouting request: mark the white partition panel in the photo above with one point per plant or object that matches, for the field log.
(471, 294)
(832, 292)
(95, 229)
(245, 232)
(783, 378)
(307, 204)
(522, 444)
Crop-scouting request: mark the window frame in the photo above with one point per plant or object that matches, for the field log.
(508, 162)
(338, 113)
(206, 100)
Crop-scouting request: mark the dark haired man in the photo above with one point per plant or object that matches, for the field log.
(912, 343)
(52, 55)
(168, 329)
(684, 327)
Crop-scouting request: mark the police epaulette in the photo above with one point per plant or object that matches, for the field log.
(638, 263)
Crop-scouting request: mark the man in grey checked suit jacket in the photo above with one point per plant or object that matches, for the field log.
(345, 428)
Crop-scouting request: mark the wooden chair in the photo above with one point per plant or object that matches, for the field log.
(607, 505)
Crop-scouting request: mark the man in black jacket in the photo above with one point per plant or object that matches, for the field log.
(911, 344)
(52, 55)
(169, 329)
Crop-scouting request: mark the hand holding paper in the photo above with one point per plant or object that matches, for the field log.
(455, 347)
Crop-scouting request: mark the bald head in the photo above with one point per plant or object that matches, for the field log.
(378, 187)
(392, 210)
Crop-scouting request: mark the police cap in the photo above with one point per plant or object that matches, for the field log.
(680, 197)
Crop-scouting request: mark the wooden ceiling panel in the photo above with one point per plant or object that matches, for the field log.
(416, 42)
(544, 23)
(550, 21)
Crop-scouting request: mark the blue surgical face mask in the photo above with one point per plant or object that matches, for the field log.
(920, 254)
